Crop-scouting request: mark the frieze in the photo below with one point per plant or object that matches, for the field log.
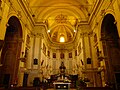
(86, 34)
(36, 35)
(84, 27)
(39, 35)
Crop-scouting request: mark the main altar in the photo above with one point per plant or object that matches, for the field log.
(62, 82)
(61, 85)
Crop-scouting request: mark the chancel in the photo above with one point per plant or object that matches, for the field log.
(59, 44)
(62, 82)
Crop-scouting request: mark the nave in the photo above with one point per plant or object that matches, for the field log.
(37, 35)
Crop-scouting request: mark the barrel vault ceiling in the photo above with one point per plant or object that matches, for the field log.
(60, 16)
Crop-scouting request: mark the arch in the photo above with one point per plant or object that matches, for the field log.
(14, 21)
(11, 50)
(111, 47)
(109, 27)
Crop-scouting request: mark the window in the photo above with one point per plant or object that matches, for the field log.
(79, 48)
(62, 39)
(82, 62)
(54, 55)
(75, 52)
(44, 48)
(28, 40)
(88, 60)
(95, 38)
(48, 53)
(70, 55)
(35, 61)
(62, 55)
(26, 53)
(42, 62)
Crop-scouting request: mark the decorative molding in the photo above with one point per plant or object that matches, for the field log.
(86, 34)
(83, 27)
(19, 14)
(90, 70)
(103, 12)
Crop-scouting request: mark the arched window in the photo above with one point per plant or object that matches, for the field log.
(62, 55)
(62, 39)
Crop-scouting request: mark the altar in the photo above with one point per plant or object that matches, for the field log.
(61, 86)
(62, 82)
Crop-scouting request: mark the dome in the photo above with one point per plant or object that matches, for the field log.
(63, 26)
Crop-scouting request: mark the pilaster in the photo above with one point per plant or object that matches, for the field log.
(37, 45)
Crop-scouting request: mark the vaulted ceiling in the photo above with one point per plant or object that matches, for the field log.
(61, 16)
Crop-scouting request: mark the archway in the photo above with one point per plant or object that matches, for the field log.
(111, 49)
(11, 52)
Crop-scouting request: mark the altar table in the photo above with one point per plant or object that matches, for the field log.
(61, 86)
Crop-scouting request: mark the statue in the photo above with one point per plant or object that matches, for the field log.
(62, 70)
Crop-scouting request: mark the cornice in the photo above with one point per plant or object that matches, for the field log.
(26, 11)
(95, 9)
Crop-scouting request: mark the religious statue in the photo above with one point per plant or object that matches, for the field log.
(62, 70)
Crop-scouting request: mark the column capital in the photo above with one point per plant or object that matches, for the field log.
(39, 35)
(86, 34)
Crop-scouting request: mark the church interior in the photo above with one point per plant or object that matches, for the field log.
(60, 44)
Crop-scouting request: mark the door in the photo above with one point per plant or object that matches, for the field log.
(25, 78)
(6, 80)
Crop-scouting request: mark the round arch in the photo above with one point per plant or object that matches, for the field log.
(111, 48)
(11, 51)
